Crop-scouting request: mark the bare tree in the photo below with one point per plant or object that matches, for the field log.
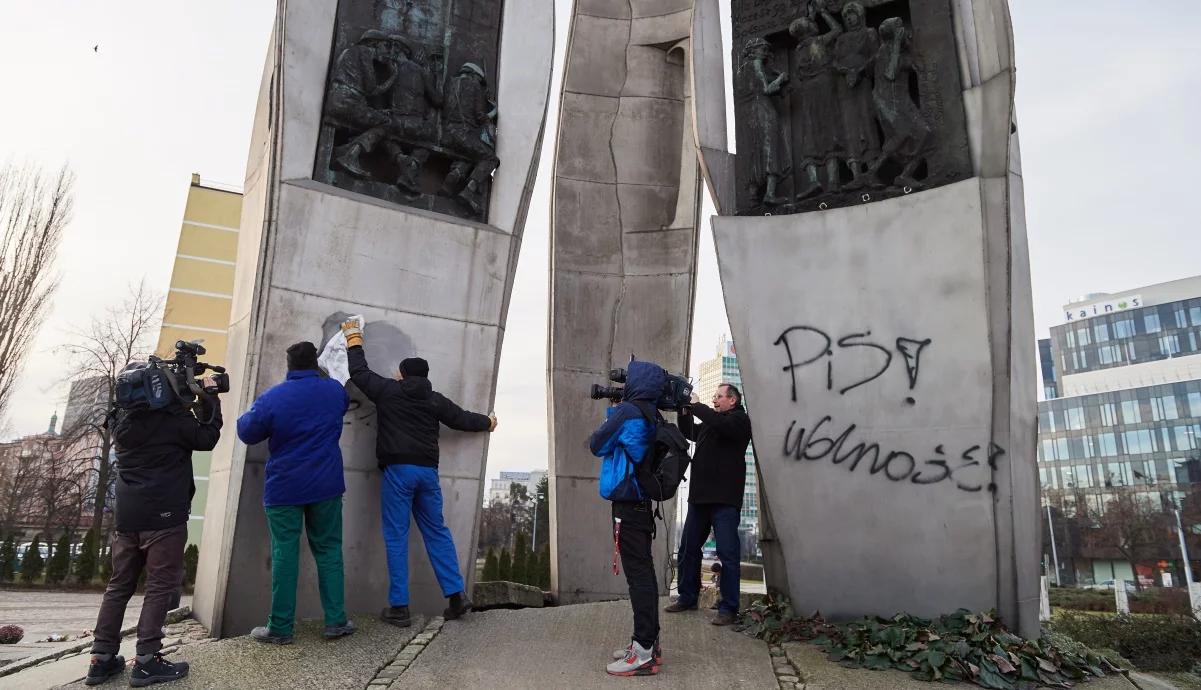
(123, 334)
(18, 483)
(34, 211)
(1134, 528)
(59, 483)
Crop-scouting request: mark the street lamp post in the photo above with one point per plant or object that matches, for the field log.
(1054, 552)
(534, 539)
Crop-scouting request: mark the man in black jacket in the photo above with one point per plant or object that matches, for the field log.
(154, 499)
(716, 483)
(406, 445)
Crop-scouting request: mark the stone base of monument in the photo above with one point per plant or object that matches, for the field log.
(499, 594)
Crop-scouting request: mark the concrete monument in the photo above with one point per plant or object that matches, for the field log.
(373, 187)
(623, 253)
(881, 299)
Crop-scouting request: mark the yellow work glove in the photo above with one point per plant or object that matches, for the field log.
(353, 332)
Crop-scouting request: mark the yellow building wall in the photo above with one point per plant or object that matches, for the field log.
(200, 297)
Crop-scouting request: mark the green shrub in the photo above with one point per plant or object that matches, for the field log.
(191, 561)
(85, 565)
(491, 567)
(1150, 642)
(1082, 599)
(60, 562)
(521, 561)
(8, 558)
(32, 563)
(505, 570)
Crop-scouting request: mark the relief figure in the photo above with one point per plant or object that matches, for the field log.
(905, 128)
(756, 85)
(817, 116)
(854, 52)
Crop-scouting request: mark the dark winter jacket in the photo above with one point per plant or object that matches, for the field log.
(409, 412)
(718, 473)
(154, 464)
(302, 418)
(622, 440)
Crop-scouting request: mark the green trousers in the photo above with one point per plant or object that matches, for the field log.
(323, 524)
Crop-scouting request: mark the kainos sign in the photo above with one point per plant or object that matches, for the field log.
(1106, 307)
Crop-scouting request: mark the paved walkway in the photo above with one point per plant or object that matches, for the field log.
(43, 613)
(563, 647)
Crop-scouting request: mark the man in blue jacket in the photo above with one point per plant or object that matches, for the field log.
(622, 441)
(301, 419)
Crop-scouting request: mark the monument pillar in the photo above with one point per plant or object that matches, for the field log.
(623, 255)
(872, 250)
(391, 164)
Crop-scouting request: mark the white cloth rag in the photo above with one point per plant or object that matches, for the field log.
(333, 355)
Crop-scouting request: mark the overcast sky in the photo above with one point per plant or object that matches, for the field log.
(1109, 101)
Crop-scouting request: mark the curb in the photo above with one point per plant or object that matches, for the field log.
(390, 673)
(173, 616)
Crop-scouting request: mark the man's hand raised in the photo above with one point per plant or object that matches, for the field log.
(353, 332)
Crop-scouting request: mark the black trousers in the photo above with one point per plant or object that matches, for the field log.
(637, 530)
(160, 554)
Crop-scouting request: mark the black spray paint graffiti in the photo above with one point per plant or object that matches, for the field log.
(909, 349)
(972, 472)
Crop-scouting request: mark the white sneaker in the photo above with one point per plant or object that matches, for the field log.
(638, 661)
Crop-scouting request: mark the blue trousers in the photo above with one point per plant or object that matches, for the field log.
(409, 490)
(723, 520)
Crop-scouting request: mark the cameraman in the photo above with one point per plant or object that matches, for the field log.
(718, 478)
(154, 498)
(621, 442)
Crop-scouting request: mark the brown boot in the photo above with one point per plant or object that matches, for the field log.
(677, 608)
(725, 618)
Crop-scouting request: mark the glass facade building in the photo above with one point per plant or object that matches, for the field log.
(1128, 337)
(1121, 378)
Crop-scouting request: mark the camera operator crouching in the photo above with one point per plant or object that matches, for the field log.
(716, 484)
(164, 414)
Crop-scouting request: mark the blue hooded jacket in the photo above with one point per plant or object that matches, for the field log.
(301, 420)
(623, 439)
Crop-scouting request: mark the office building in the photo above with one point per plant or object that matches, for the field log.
(201, 294)
(1122, 374)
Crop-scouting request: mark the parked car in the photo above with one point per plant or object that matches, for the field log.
(1109, 585)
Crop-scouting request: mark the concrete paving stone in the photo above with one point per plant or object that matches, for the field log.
(312, 662)
(788, 679)
(491, 650)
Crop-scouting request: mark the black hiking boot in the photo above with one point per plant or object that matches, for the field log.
(100, 671)
(157, 670)
(263, 634)
(396, 615)
(459, 605)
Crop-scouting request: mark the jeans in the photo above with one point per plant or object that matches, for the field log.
(637, 527)
(723, 519)
(160, 553)
(323, 524)
(411, 490)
